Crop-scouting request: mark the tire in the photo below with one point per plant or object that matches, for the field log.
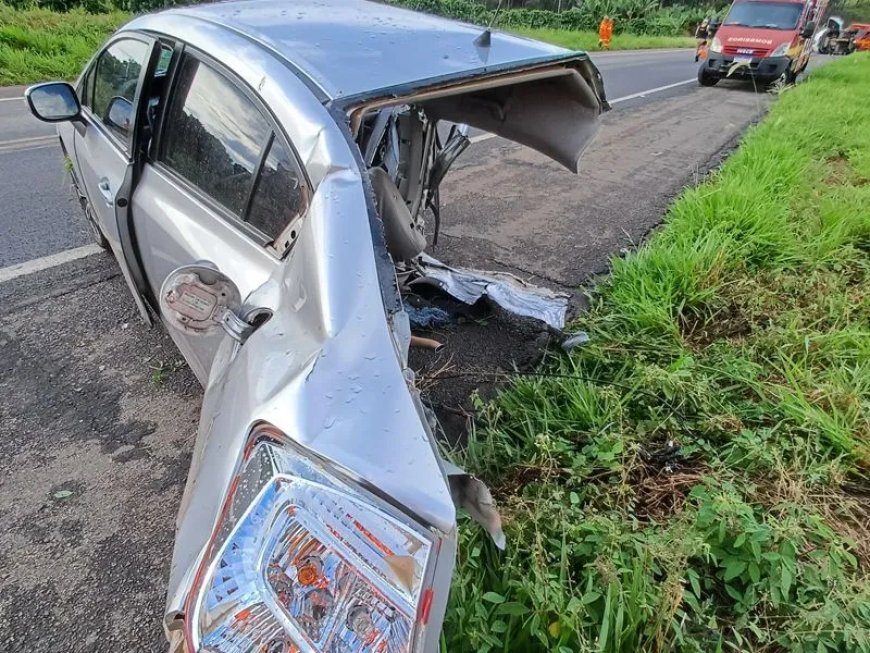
(790, 76)
(94, 227)
(705, 78)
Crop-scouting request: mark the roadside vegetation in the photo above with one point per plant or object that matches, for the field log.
(857, 11)
(40, 44)
(54, 39)
(695, 478)
(586, 40)
(649, 17)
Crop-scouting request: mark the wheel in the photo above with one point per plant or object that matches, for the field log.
(90, 218)
(705, 78)
(96, 232)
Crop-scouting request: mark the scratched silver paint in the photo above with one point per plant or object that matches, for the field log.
(330, 367)
(327, 369)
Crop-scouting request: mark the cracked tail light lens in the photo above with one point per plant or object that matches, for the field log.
(304, 561)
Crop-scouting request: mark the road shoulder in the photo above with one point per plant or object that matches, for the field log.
(98, 420)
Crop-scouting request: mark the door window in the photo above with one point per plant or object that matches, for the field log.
(280, 194)
(221, 142)
(116, 78)
(84, 89)
(214, 135)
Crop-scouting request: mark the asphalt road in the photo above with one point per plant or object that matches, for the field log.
(40, 217)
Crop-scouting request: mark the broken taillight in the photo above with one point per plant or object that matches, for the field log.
(306, 561)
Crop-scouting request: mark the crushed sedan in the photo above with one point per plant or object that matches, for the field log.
(261, 171)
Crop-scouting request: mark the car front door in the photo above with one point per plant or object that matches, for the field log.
(222, 184)
(104, 145)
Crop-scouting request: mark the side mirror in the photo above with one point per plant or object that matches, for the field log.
(119, 114)
(809, 29)
(53, 102)
(199, 300)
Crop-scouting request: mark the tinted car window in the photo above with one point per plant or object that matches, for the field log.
(84, 89)
(214, 135)
(115, 79)
(280, 194)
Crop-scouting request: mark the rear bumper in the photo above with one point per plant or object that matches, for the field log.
(765, 69)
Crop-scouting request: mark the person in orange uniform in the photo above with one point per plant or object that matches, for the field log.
(701, 35)
(605, 33)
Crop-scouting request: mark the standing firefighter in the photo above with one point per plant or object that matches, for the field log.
(701, 35)
(605, 33)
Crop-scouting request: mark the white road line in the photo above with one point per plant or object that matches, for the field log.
(650, 91)
(10, 99)
(27, 139)
(657, 89)
(39, 264)
(481, 137)
(33, 142)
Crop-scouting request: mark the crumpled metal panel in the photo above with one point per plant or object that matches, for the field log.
(329, 367)
(512, 294)
(324, 370)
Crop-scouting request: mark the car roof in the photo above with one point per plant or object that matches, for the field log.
(356, 47)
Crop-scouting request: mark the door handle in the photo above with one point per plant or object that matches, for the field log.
(106, 191)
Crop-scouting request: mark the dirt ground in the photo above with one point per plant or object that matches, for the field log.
(98, 413)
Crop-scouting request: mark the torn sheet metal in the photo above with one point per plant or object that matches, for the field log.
(506, 290)
(472, 495)
(575, 340)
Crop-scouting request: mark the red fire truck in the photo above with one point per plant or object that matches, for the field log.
(768, 40)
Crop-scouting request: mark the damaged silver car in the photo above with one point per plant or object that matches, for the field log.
(263, 171)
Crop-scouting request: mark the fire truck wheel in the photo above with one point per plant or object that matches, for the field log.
(705, 78)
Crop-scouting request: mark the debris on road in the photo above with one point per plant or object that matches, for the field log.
(427, 317)
(575, 340)
(505, 289)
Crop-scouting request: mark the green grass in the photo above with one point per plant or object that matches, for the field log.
(740, 333)
(582, 40)
(38, 44)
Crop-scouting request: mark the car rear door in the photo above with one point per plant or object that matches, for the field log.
(221, 184)
(105, 143)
